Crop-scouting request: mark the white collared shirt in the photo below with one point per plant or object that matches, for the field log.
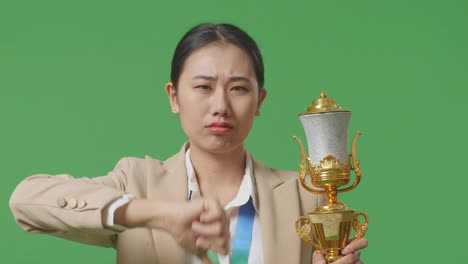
(242, 197)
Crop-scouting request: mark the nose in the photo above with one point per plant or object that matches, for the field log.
(221, 104)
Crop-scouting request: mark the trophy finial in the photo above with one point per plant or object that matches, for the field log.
(323, 105)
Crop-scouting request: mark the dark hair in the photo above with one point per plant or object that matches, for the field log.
(207, 33)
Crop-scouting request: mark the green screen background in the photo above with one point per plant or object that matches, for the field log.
(82, 85)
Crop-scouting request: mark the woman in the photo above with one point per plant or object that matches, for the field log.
(212, 200)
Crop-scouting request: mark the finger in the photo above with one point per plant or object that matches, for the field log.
(192, 210)
(202, 244)
(355, 245)
(219, 245)
(215, 229)
(357, 255)
(212, 211)
(205, 259)
(317, 258)
(348, 259)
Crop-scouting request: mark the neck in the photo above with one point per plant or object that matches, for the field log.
(219, 175)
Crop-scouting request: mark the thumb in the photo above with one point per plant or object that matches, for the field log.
(205, 259)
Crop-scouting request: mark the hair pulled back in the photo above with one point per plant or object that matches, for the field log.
(208, 33)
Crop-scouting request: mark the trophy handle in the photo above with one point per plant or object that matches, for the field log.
(303, 168)
(355, 167)
(359, 227)
(304, 231)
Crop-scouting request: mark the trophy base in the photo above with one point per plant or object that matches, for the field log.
(332, 228)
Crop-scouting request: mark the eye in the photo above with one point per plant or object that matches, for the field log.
(239, 89)
(203, 87)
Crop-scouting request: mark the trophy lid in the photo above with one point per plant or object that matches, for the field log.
(323, 105)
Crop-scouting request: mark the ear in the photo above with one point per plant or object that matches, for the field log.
(261, 96)
(172, 96)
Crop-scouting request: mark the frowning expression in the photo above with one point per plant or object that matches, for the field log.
(217, 97)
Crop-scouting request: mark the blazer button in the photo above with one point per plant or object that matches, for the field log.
(72, 203)
(81, 204)
(61, 202)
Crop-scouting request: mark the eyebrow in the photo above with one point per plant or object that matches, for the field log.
(231, 79)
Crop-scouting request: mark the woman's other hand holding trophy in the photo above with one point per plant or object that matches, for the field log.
(352, 253)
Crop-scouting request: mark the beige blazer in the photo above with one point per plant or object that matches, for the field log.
(72, 208)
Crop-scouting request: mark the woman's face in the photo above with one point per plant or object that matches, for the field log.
(217, 97)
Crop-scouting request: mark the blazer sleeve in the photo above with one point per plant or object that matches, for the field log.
(68, 207)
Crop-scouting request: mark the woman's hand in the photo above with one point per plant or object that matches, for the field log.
(212, 228)
(199, 226)
(351, 252)
(196, 225)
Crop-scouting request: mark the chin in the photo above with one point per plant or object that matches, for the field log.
(220, 145)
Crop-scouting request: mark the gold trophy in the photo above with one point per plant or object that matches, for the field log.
(329, 166)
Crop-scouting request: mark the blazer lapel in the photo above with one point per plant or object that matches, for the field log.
(167, 181)
(279, 206)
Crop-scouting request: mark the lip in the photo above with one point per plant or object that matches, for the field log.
(219, 127)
